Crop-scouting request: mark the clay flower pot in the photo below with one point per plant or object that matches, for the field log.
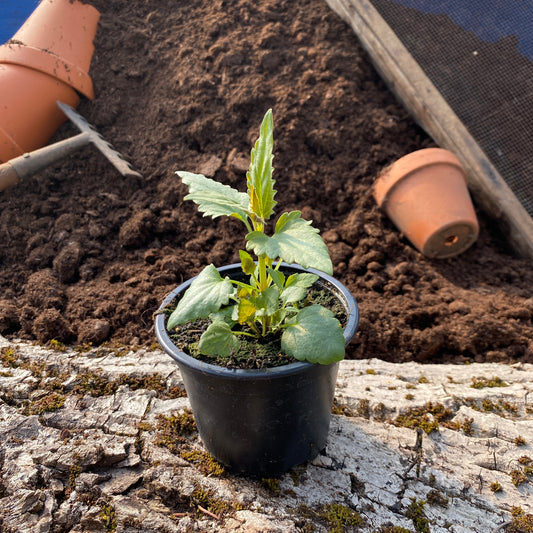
(425, 194)
(47, 60)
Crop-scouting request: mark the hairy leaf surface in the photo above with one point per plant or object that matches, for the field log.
(259, 177)
(215, 199)
(294, 241)
(218, 340)
(314, 335)
(206, 295)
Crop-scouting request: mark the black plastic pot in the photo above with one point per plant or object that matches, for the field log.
(261, 422)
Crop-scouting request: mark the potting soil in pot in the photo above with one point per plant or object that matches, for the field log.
(87, 255)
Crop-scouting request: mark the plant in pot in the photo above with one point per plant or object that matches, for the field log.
(261, 376)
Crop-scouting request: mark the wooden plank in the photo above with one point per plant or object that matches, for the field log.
(415, 90)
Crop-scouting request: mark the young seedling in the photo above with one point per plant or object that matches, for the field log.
(269, 302)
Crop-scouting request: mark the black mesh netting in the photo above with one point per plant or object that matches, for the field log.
(480, 57)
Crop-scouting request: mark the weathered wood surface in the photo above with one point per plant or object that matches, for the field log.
(77, 457)
(411, 85)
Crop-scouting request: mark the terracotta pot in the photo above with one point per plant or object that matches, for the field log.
(47, 60)
(425, 194)
(57, 38)
(30, 115)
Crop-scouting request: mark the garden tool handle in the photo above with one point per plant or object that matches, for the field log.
(32, 162)
(8, 176)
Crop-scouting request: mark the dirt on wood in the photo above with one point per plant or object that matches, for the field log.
(87, 255)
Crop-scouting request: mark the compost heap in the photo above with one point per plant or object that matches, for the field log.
(86, 255)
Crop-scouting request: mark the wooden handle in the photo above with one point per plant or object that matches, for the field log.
(8, 176)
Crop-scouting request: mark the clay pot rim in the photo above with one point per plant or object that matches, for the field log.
(49, 63)
(402, 168)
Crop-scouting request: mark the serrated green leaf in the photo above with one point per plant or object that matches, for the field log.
(206, 295)
(224, 315)
(296, 287)
(294, 241)
(266, 302)
(277, 277)
(218, 340)
(304, 280)
(247, 263)
(215, 199)
(259, 177)
(293, 294)
(314, 335)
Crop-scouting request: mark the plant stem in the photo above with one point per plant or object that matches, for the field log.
(245, 333)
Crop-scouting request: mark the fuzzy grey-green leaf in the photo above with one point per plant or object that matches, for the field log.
(215, 199)
(259, 177)
(218, 340)
(314, 335)
(206, 294)
(295, 241)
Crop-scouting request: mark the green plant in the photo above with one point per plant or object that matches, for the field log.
(270, 302)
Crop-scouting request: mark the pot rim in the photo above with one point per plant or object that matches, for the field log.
(180, 357)
(402, 168)
(48, 63)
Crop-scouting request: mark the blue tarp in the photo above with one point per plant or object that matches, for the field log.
(489, 20)
(13, 13)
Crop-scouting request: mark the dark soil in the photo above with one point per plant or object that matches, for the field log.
(87, 255)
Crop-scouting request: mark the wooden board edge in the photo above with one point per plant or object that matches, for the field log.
(409, 83)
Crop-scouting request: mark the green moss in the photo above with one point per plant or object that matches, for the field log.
(295, 478)
(335, 516)
(9, 357)
(495, 486)
(427, 417)
(205, 463)
(423, 379)
(97, 384)
(57, 346)
(363, 408)
(392, 529)
(339, 517)
(51, 402)
(521, 522)
(6, 374)
(435, 497)
(171, 431)
(409, 396)
(518, 477)
(465, 426)
(272, 484)
(415, 512)
(109, 517)
(502, 407)
(380, 412)
(520, 441)
(481, 383)
(525, 460)
(371, 371)
(205, 499)
(341, 409)
(73, 473)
